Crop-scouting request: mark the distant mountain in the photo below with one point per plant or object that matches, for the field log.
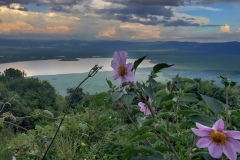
(25, 50)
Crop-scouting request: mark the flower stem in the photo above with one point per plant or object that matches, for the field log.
(227, 114)
(91, 73)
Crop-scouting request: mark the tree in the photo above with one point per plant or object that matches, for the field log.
(12, 73)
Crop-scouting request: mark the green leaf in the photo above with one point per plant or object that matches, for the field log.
(128, 99)
(137, 62)
(213, 104)
(116, 96)
(118, 127)
(1, 122)
(83, 126)
(143, 137)
(187, 112)
(160, 66)
(167, 97)
(48, 113)
(149, 91)
(148, 122)
(162, 130)
(109, 83)
(140, 131)
(203, 119)
(232, 84)
(188, 99)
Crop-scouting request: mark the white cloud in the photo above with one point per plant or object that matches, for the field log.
(225, 29)
(107, 33)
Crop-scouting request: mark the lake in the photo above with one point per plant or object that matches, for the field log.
(65, 74)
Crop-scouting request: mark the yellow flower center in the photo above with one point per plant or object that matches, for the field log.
(121, 71)
(218, 138)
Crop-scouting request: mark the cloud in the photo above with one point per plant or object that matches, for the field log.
(140, 32)
(198, 7)
(107, 33)
(42, 2)
(17, 21)
(17, 7)
(225, 29)
(238, 30)
(150, 2)
(17, 27)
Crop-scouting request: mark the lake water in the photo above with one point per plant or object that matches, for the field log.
(66, 74)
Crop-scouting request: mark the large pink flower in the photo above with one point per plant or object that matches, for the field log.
(144, 108)
(217, 140)
(122, 71)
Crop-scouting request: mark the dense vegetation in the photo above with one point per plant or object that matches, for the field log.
(109, 125)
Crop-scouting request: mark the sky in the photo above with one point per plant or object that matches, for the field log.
(127, 20)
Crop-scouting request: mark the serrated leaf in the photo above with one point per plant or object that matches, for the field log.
(188, 99)
(128, 99)
(203, 119)
(213, 104)
(137, 62)
(142, 137)
(140, 131)
(118, 127)
(160, 66)
(162, 130)
(116, 96)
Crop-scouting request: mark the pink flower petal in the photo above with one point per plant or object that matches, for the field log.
(114, 65)
(229, 151)
(205, 128)
(14, 158)
(204, 142)
(215, 151)
(115, 75)
(116, 58)
(123, 57)
(233, 134)
(200, 133)
(129, 66)
(235, 143)
(130, 77)
(219, 125)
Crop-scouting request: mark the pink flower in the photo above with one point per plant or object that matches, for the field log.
(144, 108)
(122, 71)
(14, 158)
(217, 140)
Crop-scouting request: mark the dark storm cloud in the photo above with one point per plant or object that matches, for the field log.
(211, 25)
(179, 23)
(149, 2)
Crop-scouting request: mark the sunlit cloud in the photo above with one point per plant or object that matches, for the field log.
(18, 21)
(140, 31)
(225, 28)
(107, 33)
